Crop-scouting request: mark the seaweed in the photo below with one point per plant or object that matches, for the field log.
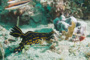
(2, 51)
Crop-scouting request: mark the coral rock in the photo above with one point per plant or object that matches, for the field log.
(88, 44)
(59, 51)
(89, 58)
(52, 47)
(41, 42)
(6, 42)
(0, 54)
(87, 53)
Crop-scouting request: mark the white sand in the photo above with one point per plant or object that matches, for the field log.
(65, 50)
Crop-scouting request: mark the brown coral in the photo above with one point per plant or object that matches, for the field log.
(70, 30)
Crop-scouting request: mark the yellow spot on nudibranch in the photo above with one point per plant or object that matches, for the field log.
(37, 37)
(18, 49)
(43, 34)
(34, 38)
(33, 41)
(30, 40)
(15, 49)
(28, 43)
(21, 47)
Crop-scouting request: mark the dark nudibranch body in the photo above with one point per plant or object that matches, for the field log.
(29, 37)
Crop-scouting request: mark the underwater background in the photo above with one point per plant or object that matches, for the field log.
(61, 29)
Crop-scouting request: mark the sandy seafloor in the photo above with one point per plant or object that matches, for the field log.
(64, 51)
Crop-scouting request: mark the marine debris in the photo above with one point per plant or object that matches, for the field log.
(11, 1)
(16, 5)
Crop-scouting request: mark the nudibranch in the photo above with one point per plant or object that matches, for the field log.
(29, 37)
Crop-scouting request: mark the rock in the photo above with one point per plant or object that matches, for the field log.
(60, 58)
(6, 42)
(11, 40)
(89, 58)
(87, 53)
(48, 51)
(1, 27)
(88, 44)
(4, 29)
(55, 37)
(23, 50)
(59, 51)
(0, 54)
(41, 42)
(3, 34)
(51, 40)
(26, 47)
(72, 50)
(88, 35)
(52, 47)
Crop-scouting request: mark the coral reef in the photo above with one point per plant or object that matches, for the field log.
(61, 50)
(47, 10)
(71, 37)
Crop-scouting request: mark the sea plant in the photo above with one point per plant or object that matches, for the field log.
(2, 50)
